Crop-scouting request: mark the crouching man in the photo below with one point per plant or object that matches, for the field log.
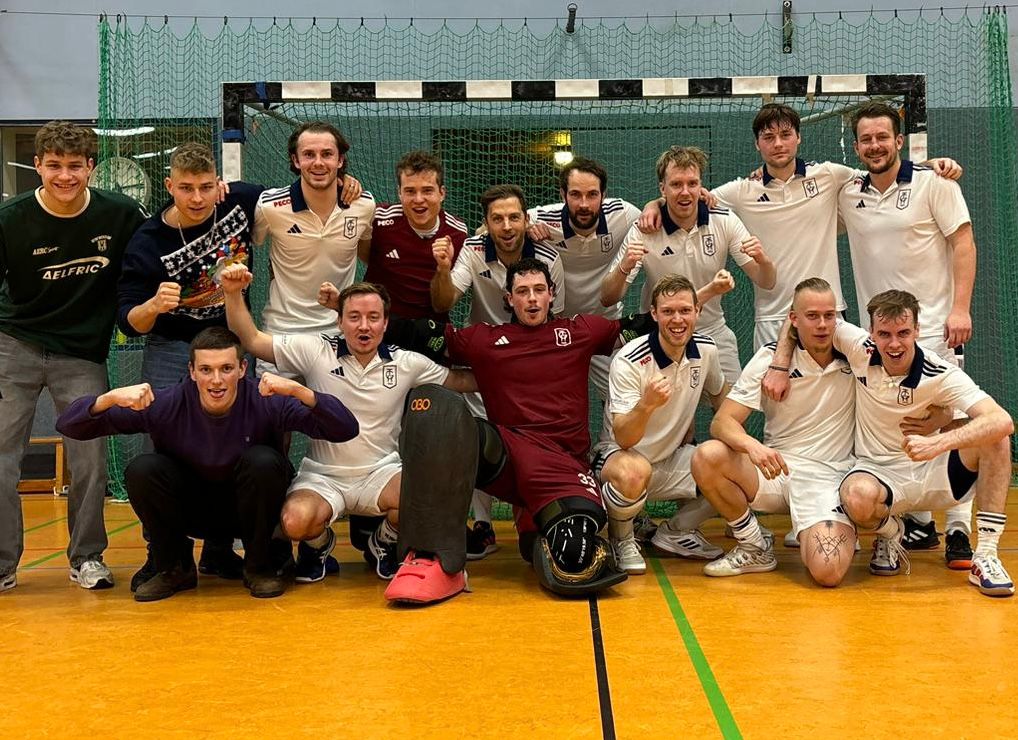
(218, 469)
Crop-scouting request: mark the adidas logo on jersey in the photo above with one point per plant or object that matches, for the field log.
(295, 229)
(860, 204)
(763, 199)
(486, 273)
(338, 371)
(668, 251)
(502, 340)
(393, 255)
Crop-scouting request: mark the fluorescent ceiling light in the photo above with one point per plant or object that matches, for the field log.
(22, 166)
(124, 131)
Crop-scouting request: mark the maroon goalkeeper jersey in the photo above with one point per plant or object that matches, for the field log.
(401, 260)
(534, 379)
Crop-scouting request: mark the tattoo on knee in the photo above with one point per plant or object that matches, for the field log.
(828, 543)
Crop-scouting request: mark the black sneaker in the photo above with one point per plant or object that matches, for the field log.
(920, 536)
(147, 571)
(480, 541)
(313, 564)
(168, 582)
(382, 557)
(958, 550)
(220, 560)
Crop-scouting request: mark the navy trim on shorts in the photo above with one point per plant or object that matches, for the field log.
(960, 477)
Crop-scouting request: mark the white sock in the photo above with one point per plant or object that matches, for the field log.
(320, 541)
(747, 531)
(989, 527)
(481, 504)
(691, 514)
(387, 534)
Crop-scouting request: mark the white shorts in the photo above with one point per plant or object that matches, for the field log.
(346, 495)
(810, 493)
(670, 479)
(923, 486)
(728, 351)
(766, 330)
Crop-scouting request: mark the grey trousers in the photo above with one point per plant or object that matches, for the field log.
(25, 369)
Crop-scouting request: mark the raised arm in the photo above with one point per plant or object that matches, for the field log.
(443, 292)
(234, 279)
(319, 415)
(629, 427)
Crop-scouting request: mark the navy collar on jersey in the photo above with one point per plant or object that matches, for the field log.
(383, 350)
(569, 232)
(800, 170)
(670, 227)
(491, 253)
(904, 175)
(297, 202)
(662, 359)
(915, 372)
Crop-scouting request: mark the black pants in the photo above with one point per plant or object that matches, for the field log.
(174, 504)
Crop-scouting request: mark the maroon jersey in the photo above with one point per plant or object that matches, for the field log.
(402, 262)
(534, 379)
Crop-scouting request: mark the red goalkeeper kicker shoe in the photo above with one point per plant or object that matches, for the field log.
(421, 580)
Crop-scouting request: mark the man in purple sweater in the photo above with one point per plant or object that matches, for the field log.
(218, 469)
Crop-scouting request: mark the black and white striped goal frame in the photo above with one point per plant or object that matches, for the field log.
(237, 95)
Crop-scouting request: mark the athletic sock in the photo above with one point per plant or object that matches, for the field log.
(320, 541)
(691, 514)
(989, 527)
(747, 531)
(387, 534)
(887, 528)
(621, 511)
(480, 502)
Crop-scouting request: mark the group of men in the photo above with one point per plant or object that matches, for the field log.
(399, 449)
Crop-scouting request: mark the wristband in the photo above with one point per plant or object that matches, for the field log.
(778, 368)
(623, 271)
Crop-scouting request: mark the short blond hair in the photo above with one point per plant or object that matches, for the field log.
(683, 157)
(193, 158)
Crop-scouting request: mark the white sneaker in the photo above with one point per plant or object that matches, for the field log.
(92, 574)
(889, 554)
(742, 559)
(791, 540)
(989, 575)
(767, 534)
(689, 543)
(644, 527)
(628, 557)
(8, 580)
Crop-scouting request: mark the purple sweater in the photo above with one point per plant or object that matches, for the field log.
(211, 445)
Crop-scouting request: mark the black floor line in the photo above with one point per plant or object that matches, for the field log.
(604, 696)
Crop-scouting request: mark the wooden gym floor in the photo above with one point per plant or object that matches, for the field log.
(669, 654)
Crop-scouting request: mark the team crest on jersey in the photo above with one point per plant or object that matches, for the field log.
(708, 245)
(903, 198)
(810, 187)
(350, 227)
(904, 396)
(694, 377)
(389, 375)
(563, 338)
(102, 241)
(606, 243)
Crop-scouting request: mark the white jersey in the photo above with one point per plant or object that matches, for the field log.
(817, 419)
(697, 254)
(882, 400)
(642, 360)
(479, 267)
(898, 239)
(797, 224)
(586, 259)
(305, 253)
(374, 395)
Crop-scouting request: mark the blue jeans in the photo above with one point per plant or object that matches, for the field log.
(25, 369)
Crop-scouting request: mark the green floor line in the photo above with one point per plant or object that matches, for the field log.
(46, 524)
(47, 558)
(718, 705)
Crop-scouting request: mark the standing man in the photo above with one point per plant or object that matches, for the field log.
(805, 454)
(399, 251)
(60, 254)
(315, 235)
(655, 384)
(695, 241)
(218, 468)
(909, 229)
(586, 229)
(362, 476)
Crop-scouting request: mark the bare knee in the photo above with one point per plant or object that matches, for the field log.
(710, 461)
(827, 549)
(863, 497)
(303, 517)
(629, 472)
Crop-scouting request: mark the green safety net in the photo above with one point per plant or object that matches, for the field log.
(156, 74)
